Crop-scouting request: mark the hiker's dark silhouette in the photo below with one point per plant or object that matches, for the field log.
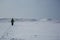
(12, 21)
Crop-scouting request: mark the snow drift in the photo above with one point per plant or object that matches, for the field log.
(43, 29)
(30, 20)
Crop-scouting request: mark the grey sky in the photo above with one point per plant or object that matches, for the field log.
(30, 8)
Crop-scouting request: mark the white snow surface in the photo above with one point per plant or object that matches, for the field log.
(38, 30)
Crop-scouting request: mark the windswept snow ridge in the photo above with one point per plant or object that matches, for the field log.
(30, 20)
(17, 20)
(50, 20)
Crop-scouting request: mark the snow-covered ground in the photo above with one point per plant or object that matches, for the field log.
(38, 30)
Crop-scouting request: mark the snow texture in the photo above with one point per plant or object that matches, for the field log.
(43, 29)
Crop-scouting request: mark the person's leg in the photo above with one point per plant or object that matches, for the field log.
(12, 24)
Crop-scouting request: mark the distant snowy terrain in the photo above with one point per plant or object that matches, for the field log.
(30, 29)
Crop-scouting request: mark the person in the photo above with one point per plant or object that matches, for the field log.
(12, 21)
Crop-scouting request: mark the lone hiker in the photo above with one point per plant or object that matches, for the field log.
(12, 21)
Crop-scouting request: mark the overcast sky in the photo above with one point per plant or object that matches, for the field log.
(30, 8)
